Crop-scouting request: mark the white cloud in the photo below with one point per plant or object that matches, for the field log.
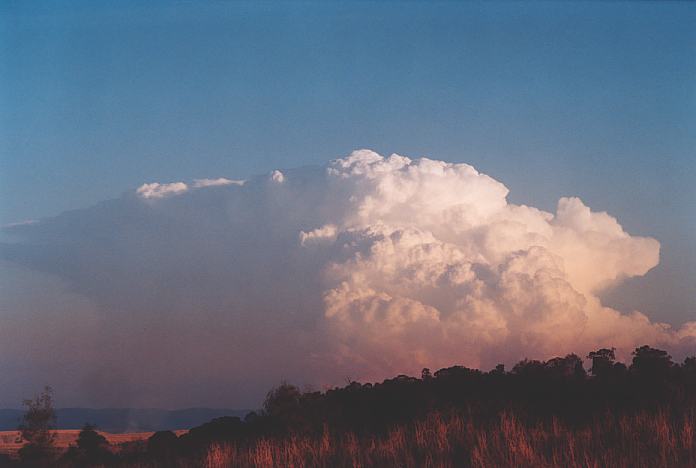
(367, 267)
(157, 190)
(200, 183)
(25, 222)
(277, 177)
(324, 234)
(437, 246)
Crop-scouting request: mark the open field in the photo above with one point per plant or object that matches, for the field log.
(10, 441)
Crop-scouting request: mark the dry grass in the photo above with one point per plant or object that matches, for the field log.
(646, 439)
(642, 440)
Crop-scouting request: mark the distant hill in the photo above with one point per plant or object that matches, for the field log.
(125, 419)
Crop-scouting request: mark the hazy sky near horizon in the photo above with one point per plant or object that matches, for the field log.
(595, 100)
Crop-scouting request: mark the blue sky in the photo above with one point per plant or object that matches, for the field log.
(596, 100)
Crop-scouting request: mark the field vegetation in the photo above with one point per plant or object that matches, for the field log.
(540, 413)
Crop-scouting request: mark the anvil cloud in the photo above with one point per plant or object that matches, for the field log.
(367, 267)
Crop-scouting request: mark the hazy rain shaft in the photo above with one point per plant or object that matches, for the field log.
(365, 268)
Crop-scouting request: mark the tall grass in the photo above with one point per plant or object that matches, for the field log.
(647, 439)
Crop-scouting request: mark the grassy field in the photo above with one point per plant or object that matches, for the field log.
(644, 439)
(641, 440)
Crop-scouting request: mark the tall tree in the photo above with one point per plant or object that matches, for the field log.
(36, 429)
(602, 362)
(651, 363)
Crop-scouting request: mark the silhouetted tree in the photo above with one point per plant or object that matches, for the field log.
(283, 404)
(251, 417)
(619, 370)
(651, 363)
(529, 368)
(456, 372)
(36, 430)
(569, 366)
(219, 429)
(92, 443)
(602, 362)
(688, 374)
(162, 446)
(92, 449)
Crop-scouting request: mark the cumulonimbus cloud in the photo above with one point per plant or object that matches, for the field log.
(366, 267)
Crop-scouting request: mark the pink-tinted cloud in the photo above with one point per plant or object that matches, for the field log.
(366, 267)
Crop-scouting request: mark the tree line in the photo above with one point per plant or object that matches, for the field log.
(534, 390)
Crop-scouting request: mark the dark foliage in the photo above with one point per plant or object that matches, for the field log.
(535, 391)
(92, 449)
(36, 430)
(163, 446)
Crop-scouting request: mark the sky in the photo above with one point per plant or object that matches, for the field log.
(589, 100)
